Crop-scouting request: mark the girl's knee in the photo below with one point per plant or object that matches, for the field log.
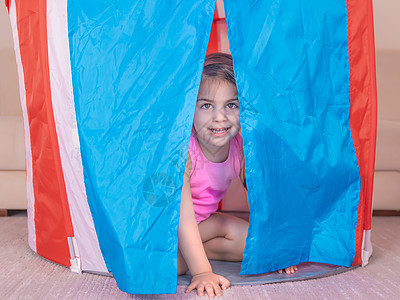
(230, 241)
(229, 227)
(235, 228)
(236, 235)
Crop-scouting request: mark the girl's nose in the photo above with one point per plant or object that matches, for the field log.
(219, 114)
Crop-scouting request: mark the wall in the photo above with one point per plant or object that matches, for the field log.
(387, 24)
(9, 89)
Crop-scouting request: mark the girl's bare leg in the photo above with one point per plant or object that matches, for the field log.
(224, 236)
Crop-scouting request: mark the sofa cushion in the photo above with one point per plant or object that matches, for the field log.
(388, 146)
(387, 190)
(13, 190)
(12, 150)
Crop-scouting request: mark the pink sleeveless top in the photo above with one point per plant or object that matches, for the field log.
(208, 180)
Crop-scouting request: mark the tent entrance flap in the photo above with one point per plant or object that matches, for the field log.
(135, 94)
(303, 182)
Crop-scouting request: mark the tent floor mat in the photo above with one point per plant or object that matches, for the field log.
(231, 270)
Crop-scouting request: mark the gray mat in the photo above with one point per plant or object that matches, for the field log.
(25, 275)
(231, 271)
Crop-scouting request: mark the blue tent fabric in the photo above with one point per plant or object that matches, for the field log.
(292, 72)
(136, 68)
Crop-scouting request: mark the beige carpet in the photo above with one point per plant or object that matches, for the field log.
(25, 275)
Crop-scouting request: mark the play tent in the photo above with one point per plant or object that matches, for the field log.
(108, 90)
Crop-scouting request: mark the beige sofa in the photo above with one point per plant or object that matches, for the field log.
(12, 150)
(387, 164)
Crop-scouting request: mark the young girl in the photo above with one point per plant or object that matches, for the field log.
(215, 159)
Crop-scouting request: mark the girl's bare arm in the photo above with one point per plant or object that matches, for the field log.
(190, 242)
(191, 246)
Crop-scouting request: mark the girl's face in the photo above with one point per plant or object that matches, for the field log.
(217, 114)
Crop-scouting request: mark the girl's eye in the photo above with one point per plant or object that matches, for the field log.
(232, 105)
(206, 106)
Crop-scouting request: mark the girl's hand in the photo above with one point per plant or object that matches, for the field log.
(289, 270)
(208, 282)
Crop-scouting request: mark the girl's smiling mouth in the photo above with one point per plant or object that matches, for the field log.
(219, 131)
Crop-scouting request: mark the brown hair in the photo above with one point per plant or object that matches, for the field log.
(219, 66)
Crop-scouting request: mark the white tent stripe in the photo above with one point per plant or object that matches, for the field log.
(28, 152)
(67, 134)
